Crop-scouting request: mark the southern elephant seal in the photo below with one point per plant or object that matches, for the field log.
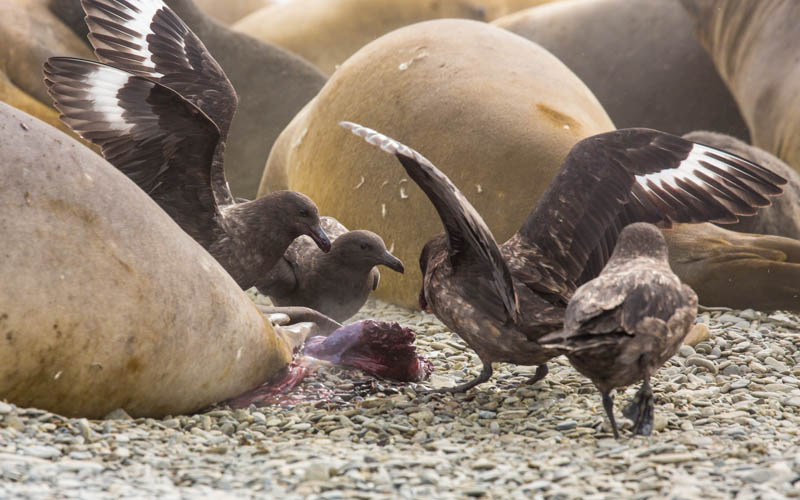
(326, 32)
(738, 270)
(29, 34)
(640, 59)
(105, 302)
(230, 11)
(754, 46)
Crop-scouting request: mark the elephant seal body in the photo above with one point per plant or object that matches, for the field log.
(232, 10)
(326, 32)
(738, 270)
(105, 302)
(495, 112)
(29, 34)
(640, 59)
(754, 46)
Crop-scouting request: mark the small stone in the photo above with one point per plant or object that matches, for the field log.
(118, 414)
(85, 430)
(748, 314)
(794, 402)
(122, 453)
(659, 422)
(172, 423)
(475, 492)
(699, 333)
(541, 484)
(776, 365)
(732, 371)
(686, 351)
(14, 422)
(422, 417)
(340, 433)
(566, 425)
(702, 363)
(5, 408)
(41, 451)
(483, 464)
(740, 383)
(486, 414)
(672, 458)
(758, 476)
(317, 471)
(228, 428)
(274, 422)
(728, 318)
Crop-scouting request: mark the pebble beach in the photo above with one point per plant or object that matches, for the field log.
(727, 425)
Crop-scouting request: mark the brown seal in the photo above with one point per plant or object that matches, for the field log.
(35, 34)
(641, 60)
(326, 32)
(738, 270)
(754, 46)
(231, 11)
(105, 302)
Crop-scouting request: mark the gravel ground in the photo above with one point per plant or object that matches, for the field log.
(727, 425)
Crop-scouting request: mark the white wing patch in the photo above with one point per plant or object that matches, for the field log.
(95, 92)
(134, 27)
(714, 173)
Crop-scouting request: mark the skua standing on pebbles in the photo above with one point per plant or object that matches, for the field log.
(622, 326)
(159, 106)
(501, 299)
(336, 283)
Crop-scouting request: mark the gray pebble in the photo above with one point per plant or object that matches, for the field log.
(41, 451)
(566, 425)
(702, 363)
(776, 365)
(792, 401)
(118, 414)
